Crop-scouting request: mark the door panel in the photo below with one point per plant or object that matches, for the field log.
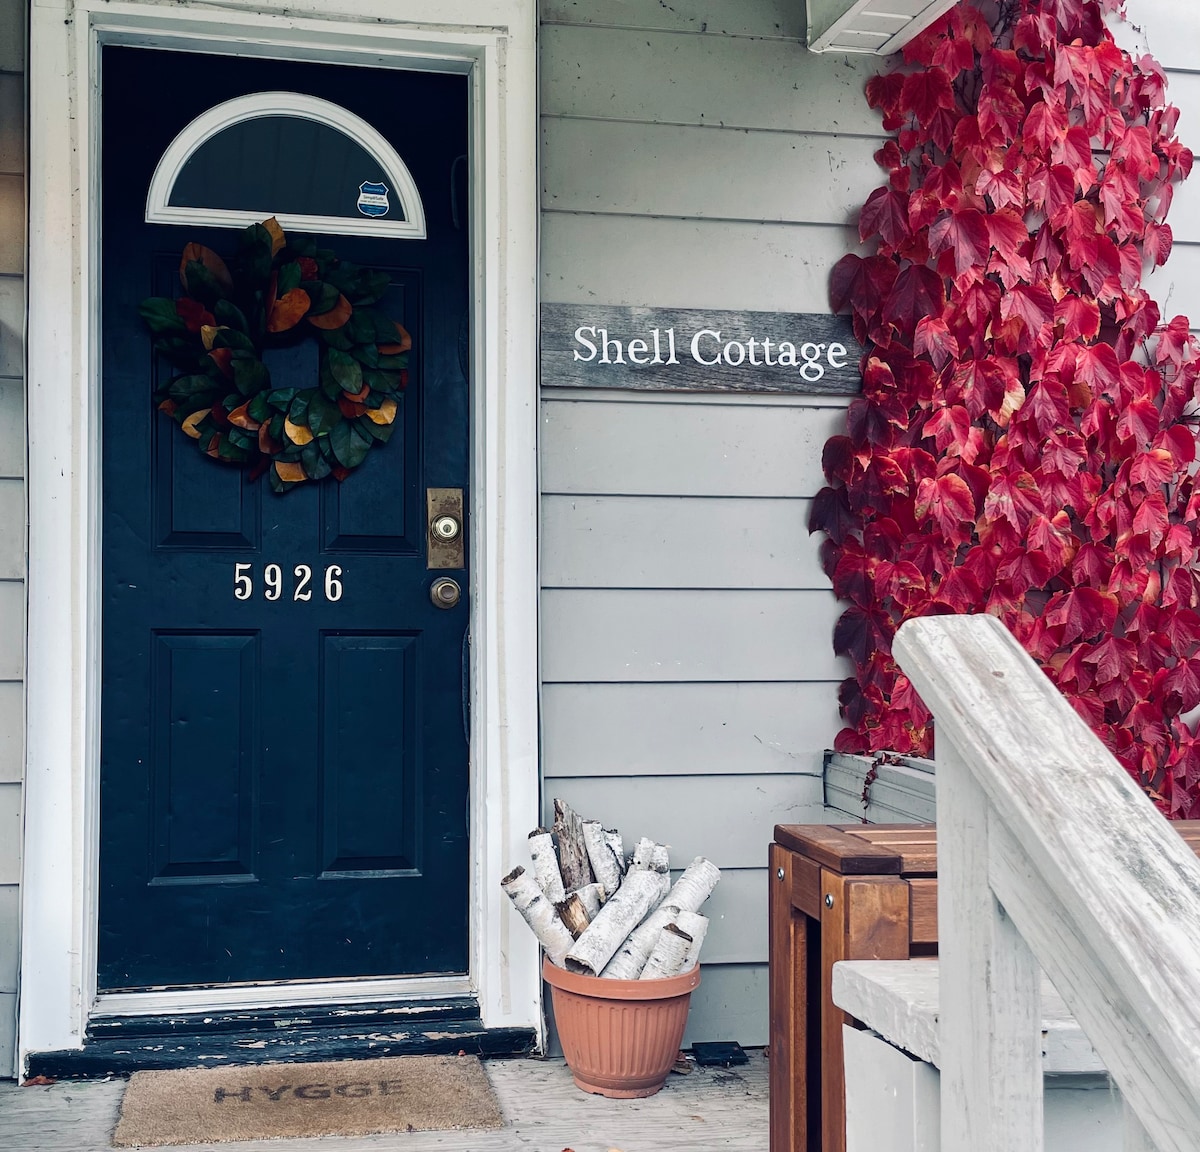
(284, 755)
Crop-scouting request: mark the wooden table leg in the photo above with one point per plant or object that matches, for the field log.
(787, 1007)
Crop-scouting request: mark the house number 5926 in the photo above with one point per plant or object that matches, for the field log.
(272, 582)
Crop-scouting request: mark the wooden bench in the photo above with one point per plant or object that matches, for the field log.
(840, 892)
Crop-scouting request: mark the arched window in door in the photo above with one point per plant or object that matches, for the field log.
(310, 163)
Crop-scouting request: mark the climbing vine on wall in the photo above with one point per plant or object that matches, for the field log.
(1024, 443)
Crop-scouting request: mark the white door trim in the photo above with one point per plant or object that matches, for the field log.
(493, 41)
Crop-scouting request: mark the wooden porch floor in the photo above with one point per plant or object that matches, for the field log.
(710, 1110)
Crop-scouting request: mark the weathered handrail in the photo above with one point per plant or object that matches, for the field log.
(1050, 854)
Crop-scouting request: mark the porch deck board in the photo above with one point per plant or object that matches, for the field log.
(710, 1110)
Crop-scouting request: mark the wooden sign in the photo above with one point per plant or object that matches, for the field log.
(663, 349)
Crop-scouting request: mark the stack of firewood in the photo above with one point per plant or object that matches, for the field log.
(599, 912)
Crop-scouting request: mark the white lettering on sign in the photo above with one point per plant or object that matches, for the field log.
(708, 347)
(243, 582)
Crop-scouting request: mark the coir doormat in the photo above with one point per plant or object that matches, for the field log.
(346, 1098)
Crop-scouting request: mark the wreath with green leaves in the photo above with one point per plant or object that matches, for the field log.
(274, 292)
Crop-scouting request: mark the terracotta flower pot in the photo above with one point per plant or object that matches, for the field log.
(620, 1037)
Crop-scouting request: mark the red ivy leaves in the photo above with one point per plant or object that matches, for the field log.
(1023, 444)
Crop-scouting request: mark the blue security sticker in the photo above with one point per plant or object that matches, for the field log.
(373, 198)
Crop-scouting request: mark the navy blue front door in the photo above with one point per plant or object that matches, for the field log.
(284, 731)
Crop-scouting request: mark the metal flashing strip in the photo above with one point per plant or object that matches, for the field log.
(277, 994)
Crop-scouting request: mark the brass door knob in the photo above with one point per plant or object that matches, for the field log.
(445, 592)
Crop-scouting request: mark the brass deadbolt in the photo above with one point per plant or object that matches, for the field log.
(445, 528)
(445, 592)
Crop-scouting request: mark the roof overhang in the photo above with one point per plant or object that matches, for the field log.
(876, 26)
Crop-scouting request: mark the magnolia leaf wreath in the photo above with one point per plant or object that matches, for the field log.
(273, 293)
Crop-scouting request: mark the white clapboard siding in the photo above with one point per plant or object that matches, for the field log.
(12, 321)
(705, 826)
(1168, 28)
(12, 727)
(684, 448)
(9, 914)
(721, 82)
(12, 428)
(12, 629)
(603, 635)
(687, 729)
(12, 530)
(690, 263)
(677, 542)
(774, 18)
(10, 834)
(1176, 285)
(730, 1004)
(672, 170)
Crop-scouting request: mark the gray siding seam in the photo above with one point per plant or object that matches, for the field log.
(641, 31)
(880, 136)
(550, 210)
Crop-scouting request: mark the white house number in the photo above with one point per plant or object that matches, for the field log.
(272, 582)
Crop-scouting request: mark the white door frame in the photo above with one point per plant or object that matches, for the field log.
(494, 42)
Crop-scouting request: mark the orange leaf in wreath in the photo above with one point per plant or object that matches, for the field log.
(339, 472)
(242, 419)
(349, 409)
(168, 406)
(297, 433)
(359, 396)
(208, 335)
(209, 259)
(278, 240)
(214, 448)
(335, 317)
(223, 359)
(384, 414)
(395, 349)
(189, 425)
(288, 311)
(289, 473)
(267, 444)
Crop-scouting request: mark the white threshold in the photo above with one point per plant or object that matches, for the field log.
(279, 994)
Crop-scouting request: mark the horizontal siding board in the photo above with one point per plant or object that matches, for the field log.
(12, 529)
(730, 1004)
(668, 170)
(12, 428)
(12, 629)
(686, 729)
(8, 1033)
(1176, 285)
(12, 729)
(627, 448)
(591, 635)
(10, 904)
(746, 18)
(668, 263)
(677, 542)
(704, 80)
(10, 834)
(1169, 29)
(12, 225)
(12, 326)
(729, 819)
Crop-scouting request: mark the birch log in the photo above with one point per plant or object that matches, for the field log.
(695, 885)
(668, 955)
(696, 926)
(631, 957)
(572, 852)
(600, 856)
(574, 915)
(539, 914)
(545, 865)
(617, 845)
(593, 896)
(623, 912)
(650, 857)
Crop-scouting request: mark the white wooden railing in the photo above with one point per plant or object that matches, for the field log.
(1049, 854)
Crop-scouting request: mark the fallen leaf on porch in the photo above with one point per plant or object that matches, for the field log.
(335, 317)
(36, 1081)
(287, 311)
